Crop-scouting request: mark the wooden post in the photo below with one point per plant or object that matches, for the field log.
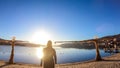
(11, 60)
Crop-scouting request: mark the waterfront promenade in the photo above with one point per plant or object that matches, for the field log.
(107, 62)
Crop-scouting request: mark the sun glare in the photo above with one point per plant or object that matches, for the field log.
(39, 52)
(40, 37)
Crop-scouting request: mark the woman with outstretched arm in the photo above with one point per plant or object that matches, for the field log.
(49, 59)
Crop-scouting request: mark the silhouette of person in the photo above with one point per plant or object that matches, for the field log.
(49, 59)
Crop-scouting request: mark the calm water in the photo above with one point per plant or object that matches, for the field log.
(64, 55)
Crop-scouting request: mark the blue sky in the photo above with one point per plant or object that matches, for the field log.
(63, 19)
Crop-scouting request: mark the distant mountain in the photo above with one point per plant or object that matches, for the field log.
(1, 39)
(18, 42)
(85, 45)
(26, 43)
(112, 37)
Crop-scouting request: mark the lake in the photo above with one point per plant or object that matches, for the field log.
(64, 55)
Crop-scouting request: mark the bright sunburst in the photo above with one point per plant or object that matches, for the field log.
(39, 52)
(40, 37)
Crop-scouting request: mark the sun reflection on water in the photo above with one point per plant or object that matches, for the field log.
(39, 52)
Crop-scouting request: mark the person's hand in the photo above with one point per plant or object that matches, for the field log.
(41, 65)
(56, 62)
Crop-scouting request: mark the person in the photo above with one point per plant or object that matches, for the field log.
(49, 59)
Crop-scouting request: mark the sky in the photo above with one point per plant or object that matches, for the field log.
(62, 19)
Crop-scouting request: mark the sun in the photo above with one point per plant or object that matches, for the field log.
(40, 37)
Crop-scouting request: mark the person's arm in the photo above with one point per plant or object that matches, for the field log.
(55, 57)
(41, 63)
(42, 59)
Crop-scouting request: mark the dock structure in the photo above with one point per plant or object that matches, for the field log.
(112, 45)
(112, 50)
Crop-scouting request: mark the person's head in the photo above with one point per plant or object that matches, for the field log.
(49, 43)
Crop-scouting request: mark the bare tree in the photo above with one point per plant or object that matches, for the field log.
(11, 60)
(98, 56)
